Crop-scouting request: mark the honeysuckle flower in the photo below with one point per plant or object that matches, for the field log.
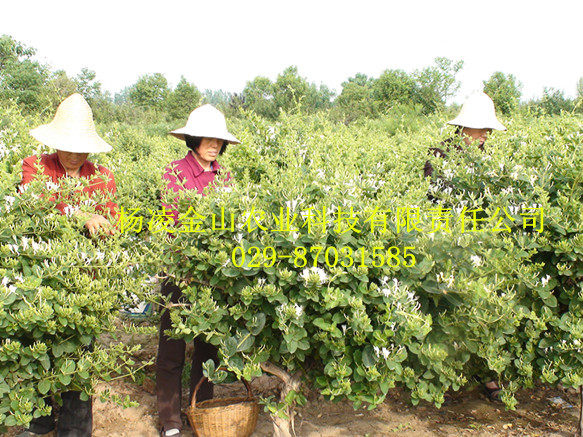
(9, 200)
(448, 173)
(299, 310)
(544, 281)
(532, 179)
(52, 185)
(70, 210)
(322, 275)
(476, 260)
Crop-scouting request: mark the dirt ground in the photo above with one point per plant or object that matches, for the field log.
(468, 413)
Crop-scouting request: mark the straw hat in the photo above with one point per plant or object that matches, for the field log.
(478, 112)
(208, 122)
(72, 129)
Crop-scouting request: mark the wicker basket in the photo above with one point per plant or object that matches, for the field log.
(226, 417)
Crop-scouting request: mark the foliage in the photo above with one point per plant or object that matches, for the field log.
(476, 305)
(150, 91)
(504, 90)
(437, 83)
(356, 100)
(60, 290)
(554, 102)
(182, 100)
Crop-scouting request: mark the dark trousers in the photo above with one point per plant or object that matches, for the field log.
(169, 365)
(75, 417)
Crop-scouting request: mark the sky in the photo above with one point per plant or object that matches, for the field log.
(223, 44)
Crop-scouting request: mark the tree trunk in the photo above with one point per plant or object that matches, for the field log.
(283, 427)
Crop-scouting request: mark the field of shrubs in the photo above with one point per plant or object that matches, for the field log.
(321, 261)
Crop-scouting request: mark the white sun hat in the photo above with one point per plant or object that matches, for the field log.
(478, 113)
(206, 121)
(72, 129)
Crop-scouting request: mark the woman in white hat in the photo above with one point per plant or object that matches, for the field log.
(206, 136)
(72, 133)
(475, 121)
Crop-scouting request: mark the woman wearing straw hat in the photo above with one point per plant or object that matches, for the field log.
(72, 133)
(206, 135)
(474, 123)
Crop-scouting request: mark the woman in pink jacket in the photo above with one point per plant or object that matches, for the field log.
(206, 136)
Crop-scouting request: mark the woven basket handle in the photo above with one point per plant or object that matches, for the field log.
(204, 378)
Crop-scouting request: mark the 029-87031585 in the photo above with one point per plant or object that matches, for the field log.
(394, 256)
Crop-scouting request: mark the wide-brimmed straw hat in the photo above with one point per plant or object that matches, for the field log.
(478, 112)
(72, 129)
(206, 121)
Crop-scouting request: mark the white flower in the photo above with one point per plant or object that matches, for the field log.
(322, 275)
(9, 201)
(377, 351)
(476, 260)
(470, 170)
(299, 310)
(35, 246)
(448, 173)
(261, 281)
(70, 210)
(532, 179)
(545, 280)
(385, 353)
(5, 281)
(52, 186)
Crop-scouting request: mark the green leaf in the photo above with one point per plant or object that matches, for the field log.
(256, 324)
(369, 358)
(44, 386)
(244, 341)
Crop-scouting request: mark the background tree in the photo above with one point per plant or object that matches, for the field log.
(21, 78)
(437, 83)
(58, 87)
(554, 102)
(150, 92)
(290, 89)
(395, 87)
(258, 96)
(183, 99)
(87, 85)
(580, 88)
(356, 99)
(504, 90)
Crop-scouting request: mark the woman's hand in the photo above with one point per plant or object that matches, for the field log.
(96, 223)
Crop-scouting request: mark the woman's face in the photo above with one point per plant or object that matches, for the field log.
(479, 135)
(209, 149)
(72, 161)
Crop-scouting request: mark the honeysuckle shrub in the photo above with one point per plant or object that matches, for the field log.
(476, 306)
(533, 165)
(60, 289)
